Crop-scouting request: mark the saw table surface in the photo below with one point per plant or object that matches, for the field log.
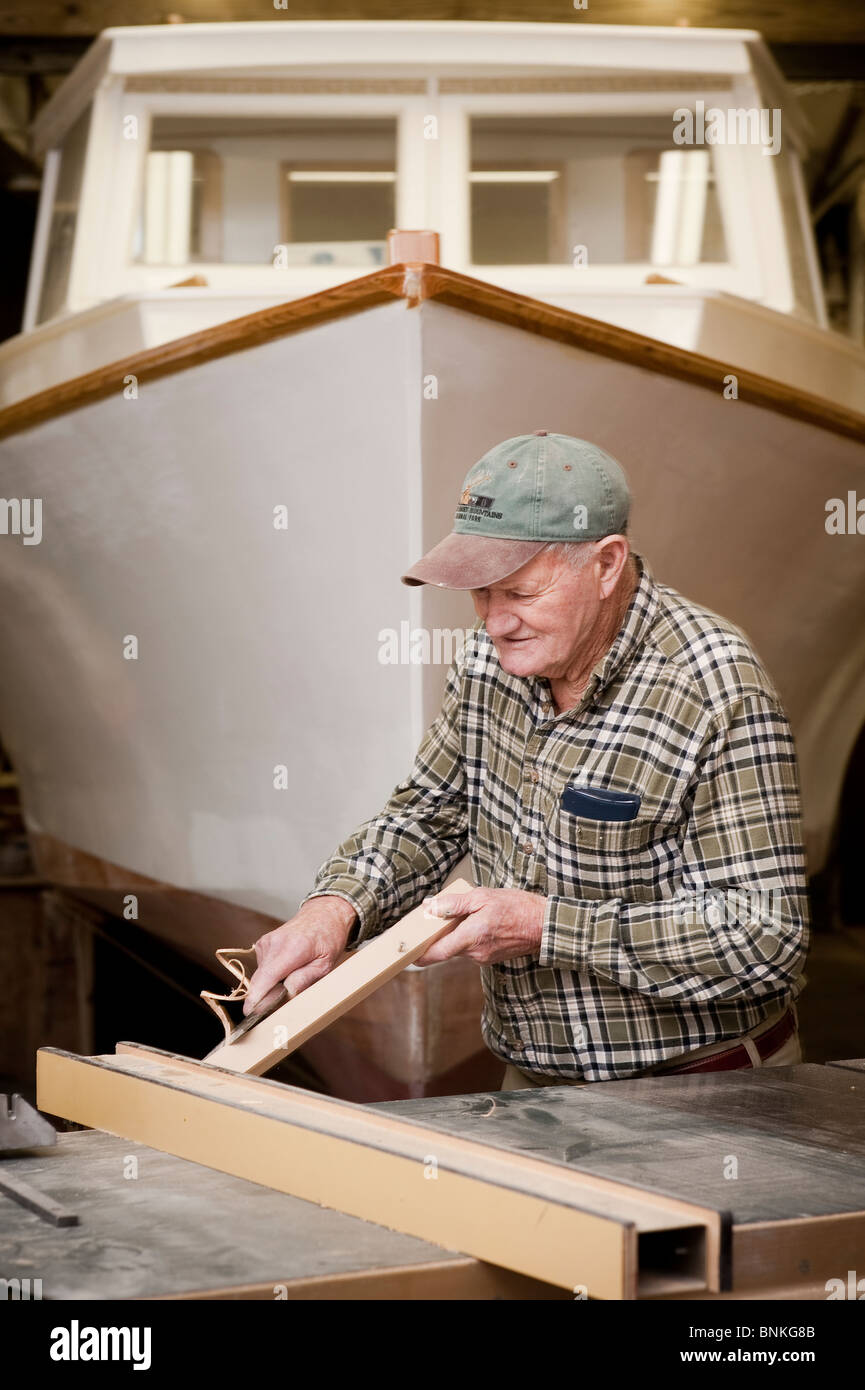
(180, 1230)
(797, 1135)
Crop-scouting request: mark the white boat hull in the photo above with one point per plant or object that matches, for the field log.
(258, 723)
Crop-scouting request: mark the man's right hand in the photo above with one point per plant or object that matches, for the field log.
(301, 951)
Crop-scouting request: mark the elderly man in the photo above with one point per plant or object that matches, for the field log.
(621, 770)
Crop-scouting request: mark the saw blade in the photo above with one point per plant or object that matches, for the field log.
(257, 1016)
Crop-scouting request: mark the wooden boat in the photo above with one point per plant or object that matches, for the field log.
(211, 670)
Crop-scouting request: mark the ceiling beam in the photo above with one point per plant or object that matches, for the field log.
(795, 21)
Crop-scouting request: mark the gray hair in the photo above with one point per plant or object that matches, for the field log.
(576, 553)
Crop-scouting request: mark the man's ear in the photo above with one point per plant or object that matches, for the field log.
(613, 553)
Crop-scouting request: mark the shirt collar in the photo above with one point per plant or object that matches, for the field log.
(636, 625)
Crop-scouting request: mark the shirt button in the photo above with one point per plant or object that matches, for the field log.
(518, 1045)
(535, 776)
(528, 847)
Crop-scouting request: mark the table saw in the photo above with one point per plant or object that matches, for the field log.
(736, 1185)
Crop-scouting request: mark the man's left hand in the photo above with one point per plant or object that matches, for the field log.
(498, 924)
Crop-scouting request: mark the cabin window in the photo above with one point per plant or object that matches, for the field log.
(64, 215)
(543, 187)
(268, 191)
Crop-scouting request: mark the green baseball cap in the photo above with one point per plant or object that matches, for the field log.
(523, 494)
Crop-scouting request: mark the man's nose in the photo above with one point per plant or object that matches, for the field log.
(500, 621)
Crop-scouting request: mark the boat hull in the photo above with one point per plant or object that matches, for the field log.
(211, 673)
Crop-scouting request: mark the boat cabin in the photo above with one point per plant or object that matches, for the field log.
(265, 161)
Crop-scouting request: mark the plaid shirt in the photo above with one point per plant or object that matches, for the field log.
(683, 927)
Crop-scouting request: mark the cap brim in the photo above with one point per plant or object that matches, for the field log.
(471, 562)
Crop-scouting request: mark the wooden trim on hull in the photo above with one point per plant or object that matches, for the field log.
(415, 283)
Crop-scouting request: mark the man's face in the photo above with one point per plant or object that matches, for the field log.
(542, 617)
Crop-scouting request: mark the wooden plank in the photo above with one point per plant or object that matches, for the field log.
(805, 1252)
(535, 1218)
(290, 1025)
(30, 1197)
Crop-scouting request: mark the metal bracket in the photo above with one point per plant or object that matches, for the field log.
(21, 1126)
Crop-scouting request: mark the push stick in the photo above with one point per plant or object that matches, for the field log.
(29, 1197)
(292, 1023)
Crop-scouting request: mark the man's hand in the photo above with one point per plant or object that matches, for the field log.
(301, 951)
(499, 924)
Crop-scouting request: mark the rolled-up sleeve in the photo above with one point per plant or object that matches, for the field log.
(737, 926)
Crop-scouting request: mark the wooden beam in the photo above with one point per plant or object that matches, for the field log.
(793, 21)
(366, 970)
(538, 1218)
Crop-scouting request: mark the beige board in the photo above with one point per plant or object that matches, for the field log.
(537, 1218)
(290, 1025)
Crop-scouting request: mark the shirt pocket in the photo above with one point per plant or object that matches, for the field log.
(611, 837)
(598, 859)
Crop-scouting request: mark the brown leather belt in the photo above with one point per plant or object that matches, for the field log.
(736, 1058)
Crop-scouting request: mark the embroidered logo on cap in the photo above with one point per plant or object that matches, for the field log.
(466, 495)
